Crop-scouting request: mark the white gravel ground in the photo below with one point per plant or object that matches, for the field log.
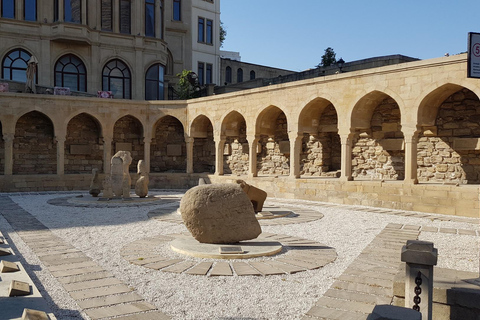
(102, 232)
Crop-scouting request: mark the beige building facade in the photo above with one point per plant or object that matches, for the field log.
(402, 136)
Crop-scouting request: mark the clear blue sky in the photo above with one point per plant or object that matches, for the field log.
(294, 34)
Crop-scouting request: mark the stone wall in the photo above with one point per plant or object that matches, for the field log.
(274, 157)
(34, 148)
(83, 145)
(128, 136)
(378, 152)
(204, 154)
(236, 155)
(168, 151)
(449, 151)
(2, 153)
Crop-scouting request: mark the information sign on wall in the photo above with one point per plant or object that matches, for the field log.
(473, 55)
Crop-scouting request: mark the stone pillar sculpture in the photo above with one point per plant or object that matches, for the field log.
(95, 184)
(141, 187)
(120, 176)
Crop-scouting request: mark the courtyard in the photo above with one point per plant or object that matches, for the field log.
(94, 260)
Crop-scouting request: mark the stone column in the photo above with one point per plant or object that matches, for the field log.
(146, 152)
(60, 155)
(252, 157)
(219, 144)
(84, 12)
(295, 149)
(8, 144)
(346, 165)
(116, 16)
(61, 11)
(411, 158)
(107, 154)
(420, 257)
(190, 143)
(19, 10)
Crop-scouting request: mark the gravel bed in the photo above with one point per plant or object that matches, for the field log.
(101, 233)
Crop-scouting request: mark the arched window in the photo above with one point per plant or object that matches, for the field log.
(116, 78)
(252, 75)
(239, 75)
(228, 75)
(154, 86)
(71, 72)
(14, 65)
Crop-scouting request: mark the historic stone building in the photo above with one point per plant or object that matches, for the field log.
(402, 136)
(132, 48)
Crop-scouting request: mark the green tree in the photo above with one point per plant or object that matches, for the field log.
(223, 34)
(185, 89)
(328, 58)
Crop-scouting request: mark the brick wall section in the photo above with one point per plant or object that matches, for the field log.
(34, 149)
(204, 154)
(129, 130)
(438, 161)
(2, 153)
(169, 131)
(370, 160)
(83, 131)
(271, 161)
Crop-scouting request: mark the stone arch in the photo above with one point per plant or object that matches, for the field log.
(273, 152)
(83, 145)
(128, 136)
(448, 143)
(235, 150)
(377, 146)
(201, 131)
(321, 145)
(168, 151)
(34, 146)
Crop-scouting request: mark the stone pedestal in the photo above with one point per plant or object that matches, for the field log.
(420, 257)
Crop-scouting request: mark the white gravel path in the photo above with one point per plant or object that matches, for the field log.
(102, 232)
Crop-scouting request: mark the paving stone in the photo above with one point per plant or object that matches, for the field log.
(156, 315)
(362, 287)
(366, 280)
(60, 256)
(344, 305)
(298, 263)
(91, 284)
(180, 267)
(467, 232)
(356, 296)
(77, 271)
(334, 314)
(55, 250)
(287, 268)
(66, 261)
(244, 269)
(429, 229)
(221, 269)
(99, 292)
(149, 260)
(109, 300)
(84, 264)
(200, 269)
(266, 269)
(448, 230)
(162, 264)
(119, 310)
(394, 226)
(85, 277)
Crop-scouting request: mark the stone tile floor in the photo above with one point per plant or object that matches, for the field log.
(366, 282)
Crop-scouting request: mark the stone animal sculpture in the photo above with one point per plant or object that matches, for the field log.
(257, 196)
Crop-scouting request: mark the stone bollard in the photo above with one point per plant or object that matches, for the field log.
(388, 312)
(420, 257)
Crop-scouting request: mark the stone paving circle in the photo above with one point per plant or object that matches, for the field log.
(298, 255)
